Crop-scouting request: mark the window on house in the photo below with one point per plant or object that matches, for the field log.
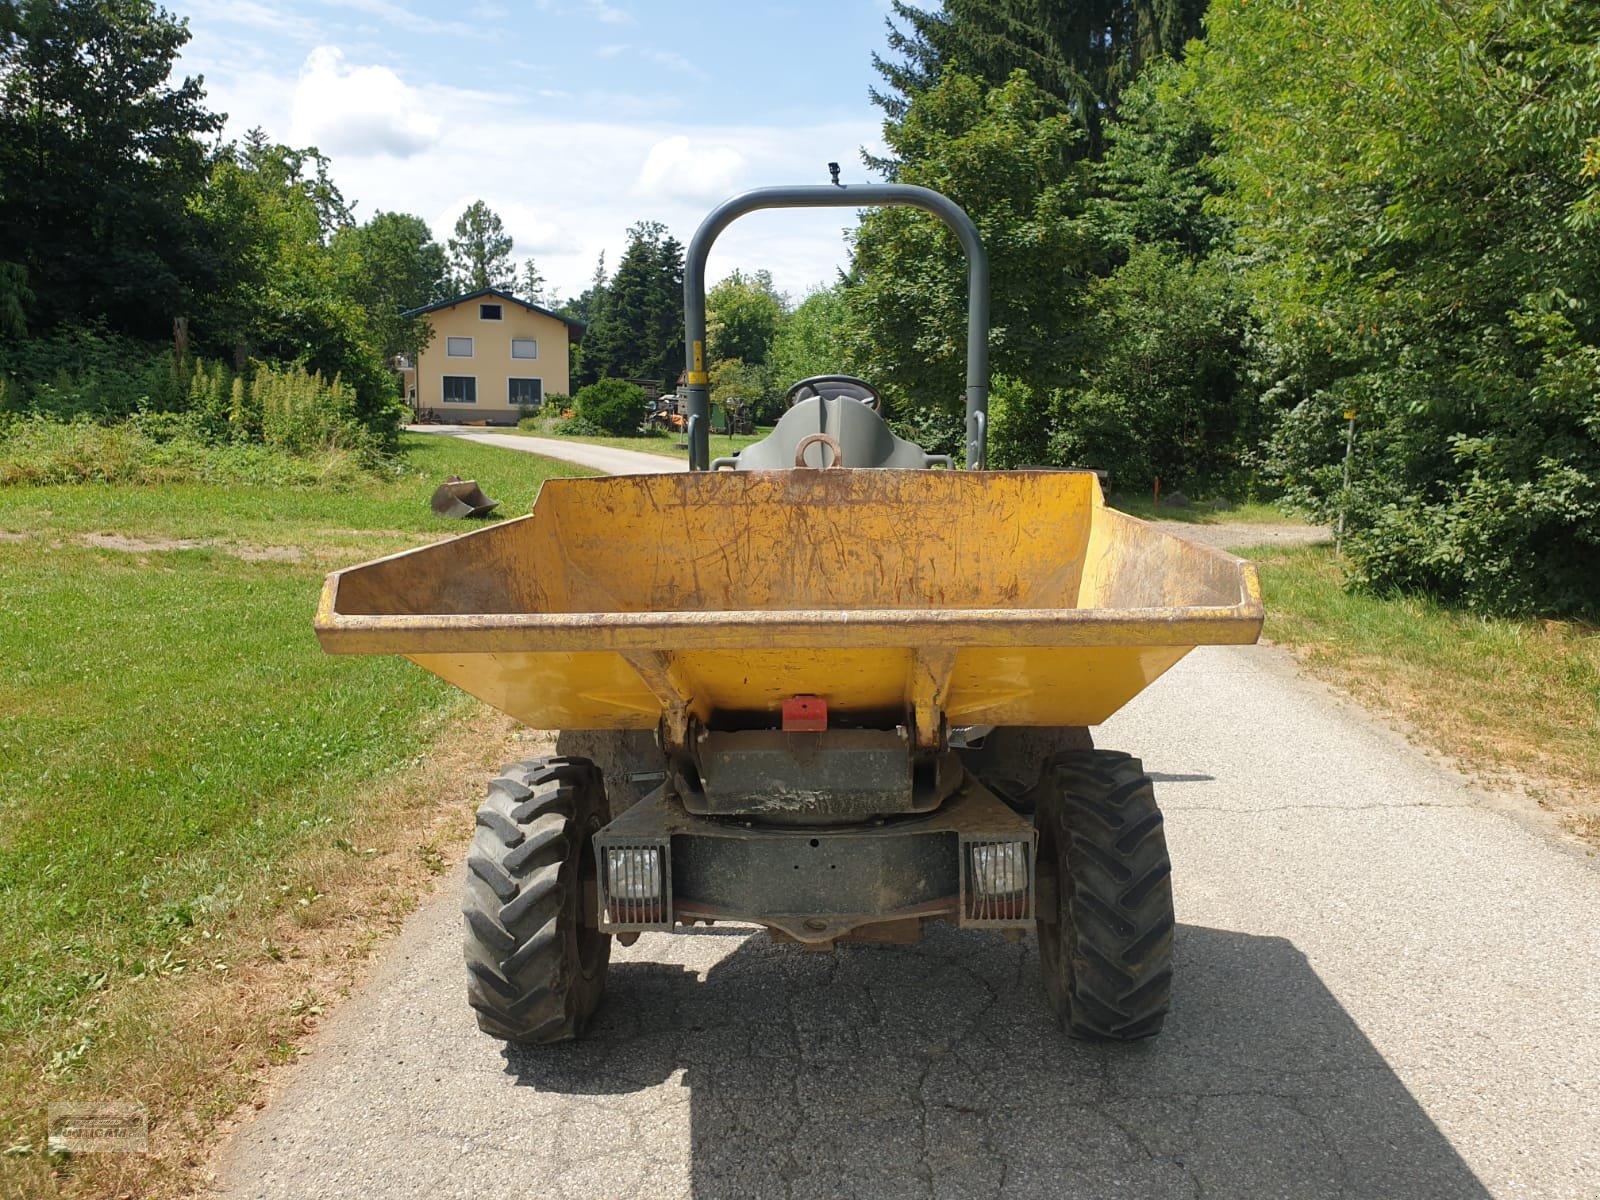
(524, 348)
(458, 347)
(526, 391)
(488, 312)
(460, 389)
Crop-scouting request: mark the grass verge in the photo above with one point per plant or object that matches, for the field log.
(1517, 701)
(198, 808)
(1248, 513)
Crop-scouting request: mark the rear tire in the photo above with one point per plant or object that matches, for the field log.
(1105, 936)
(1018, 762)
(536, 961)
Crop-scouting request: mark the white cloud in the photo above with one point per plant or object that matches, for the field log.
(677, 168)
(608, 14)
(358, 111)
(566, 186)
(252, 15)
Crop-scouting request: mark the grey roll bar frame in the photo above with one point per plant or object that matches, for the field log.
(867, 195)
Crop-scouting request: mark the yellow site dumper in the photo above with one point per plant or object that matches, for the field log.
(832, 687)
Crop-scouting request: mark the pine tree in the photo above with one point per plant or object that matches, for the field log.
(1082, 53)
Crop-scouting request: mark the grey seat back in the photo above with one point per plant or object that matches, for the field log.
(864, 440)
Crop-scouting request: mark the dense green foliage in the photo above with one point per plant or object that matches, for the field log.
(744, 314)
(388, 266)
(1417, 186)
(811, 341)
(1328, 205)
(1008, 156)
(1082, 54)
(130, 243)
(98, 158)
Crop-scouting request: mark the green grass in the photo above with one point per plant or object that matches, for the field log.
(722, 445)
(1501, 695)
(171, 734)
(1250, 512)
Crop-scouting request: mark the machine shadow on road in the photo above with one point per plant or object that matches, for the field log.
(935, 1070)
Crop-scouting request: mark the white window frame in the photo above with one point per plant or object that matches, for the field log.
(510, 379)
(443, 399)
(499, 314)
(451, 352)
(534, 357)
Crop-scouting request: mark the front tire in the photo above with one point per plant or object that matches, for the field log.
(1105, 918)
(536, 962)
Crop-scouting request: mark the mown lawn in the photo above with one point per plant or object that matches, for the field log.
(1250, 512)
(171, 734)
(722, 444)
(1500, 695)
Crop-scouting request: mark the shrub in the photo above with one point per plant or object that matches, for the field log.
(88, 371)
(579, 427)
(614, 406)
(302, 413)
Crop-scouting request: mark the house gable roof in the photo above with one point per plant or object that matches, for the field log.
(574, 328)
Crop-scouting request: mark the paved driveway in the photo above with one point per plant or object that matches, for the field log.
(601, 458)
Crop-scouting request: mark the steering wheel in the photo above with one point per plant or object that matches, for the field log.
(830, 386)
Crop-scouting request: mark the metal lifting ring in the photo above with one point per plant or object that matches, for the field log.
(823, 439)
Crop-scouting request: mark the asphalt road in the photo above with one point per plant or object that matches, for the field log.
(1386, 988)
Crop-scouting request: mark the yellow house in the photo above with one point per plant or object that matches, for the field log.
(490, 355)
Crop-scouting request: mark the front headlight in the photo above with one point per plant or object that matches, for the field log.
(633, 872)
(998, 868)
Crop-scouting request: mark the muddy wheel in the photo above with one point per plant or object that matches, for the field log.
(1105, 899)
(629, 760)
(536, 963)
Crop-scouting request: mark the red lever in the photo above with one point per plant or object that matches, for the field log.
(805, 714)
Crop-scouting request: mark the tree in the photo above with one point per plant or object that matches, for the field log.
(812, 340)
(480, 251)
(743, 315)
(585, 307)
(271, 218)
(1165, 393)
(1165, 388)
(1157, 183)
(1416, 185)
(389, 265)
(1083, 53)
(98, 156)
(1008, 156)
(637, 331)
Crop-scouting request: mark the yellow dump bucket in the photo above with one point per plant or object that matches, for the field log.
(985, 597)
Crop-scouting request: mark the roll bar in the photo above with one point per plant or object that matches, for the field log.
(869, 195)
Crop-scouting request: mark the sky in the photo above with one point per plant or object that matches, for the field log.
(572, 119)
